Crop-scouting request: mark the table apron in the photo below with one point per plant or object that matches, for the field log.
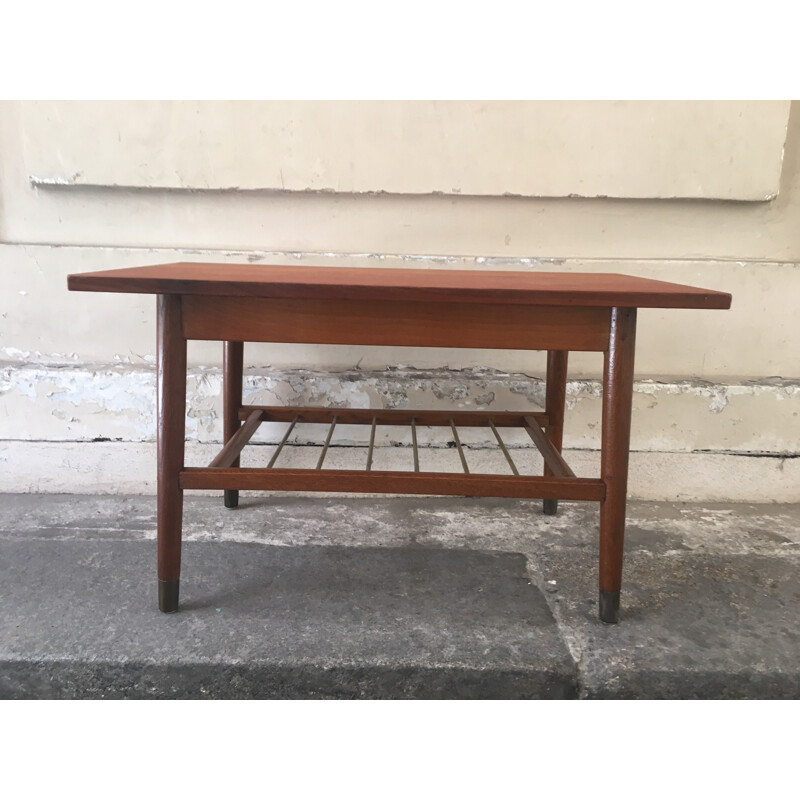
(399, 323)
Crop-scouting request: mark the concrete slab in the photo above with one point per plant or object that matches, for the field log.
(692, 626)
(79, 620)
(324, 596)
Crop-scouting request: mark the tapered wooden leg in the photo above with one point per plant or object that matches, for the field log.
(171, 412)
(617, 400)
(555, 399)
(232, 370)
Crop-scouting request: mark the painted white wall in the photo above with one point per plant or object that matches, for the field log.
(723, 150)
(716, 390)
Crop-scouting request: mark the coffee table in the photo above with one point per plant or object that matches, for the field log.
(557, 312)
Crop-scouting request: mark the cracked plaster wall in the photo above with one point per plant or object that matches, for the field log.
(716, 402)
(117, 403)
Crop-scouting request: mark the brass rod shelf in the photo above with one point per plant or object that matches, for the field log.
(562, 484)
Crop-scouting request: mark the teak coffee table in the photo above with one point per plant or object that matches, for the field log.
(557, 312)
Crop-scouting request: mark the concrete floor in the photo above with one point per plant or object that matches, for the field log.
(379, 597)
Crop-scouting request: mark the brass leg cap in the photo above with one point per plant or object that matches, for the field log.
(168, 596)
(231, 498)
(550, 507)
(609, 607)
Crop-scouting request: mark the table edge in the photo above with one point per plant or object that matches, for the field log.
(695, 299)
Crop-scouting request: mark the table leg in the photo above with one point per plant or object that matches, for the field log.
(232, 370)
(617, 400)
(171, 411)
(555, 399)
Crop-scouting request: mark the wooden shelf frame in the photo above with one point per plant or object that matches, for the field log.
(559, 483)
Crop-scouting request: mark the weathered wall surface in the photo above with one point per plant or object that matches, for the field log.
(729, 150)
(717, 403)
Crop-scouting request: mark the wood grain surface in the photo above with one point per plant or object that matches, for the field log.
(393, 482)
(401, 323)
(418, 285)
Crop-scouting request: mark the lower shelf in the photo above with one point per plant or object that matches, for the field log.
(560, 482)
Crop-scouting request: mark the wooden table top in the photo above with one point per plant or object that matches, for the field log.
(418, 285)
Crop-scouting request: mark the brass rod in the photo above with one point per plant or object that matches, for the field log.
(414, 440)
(503, 448)
(371, 444)
(458, 445)
(282, 443)
(327, 442)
